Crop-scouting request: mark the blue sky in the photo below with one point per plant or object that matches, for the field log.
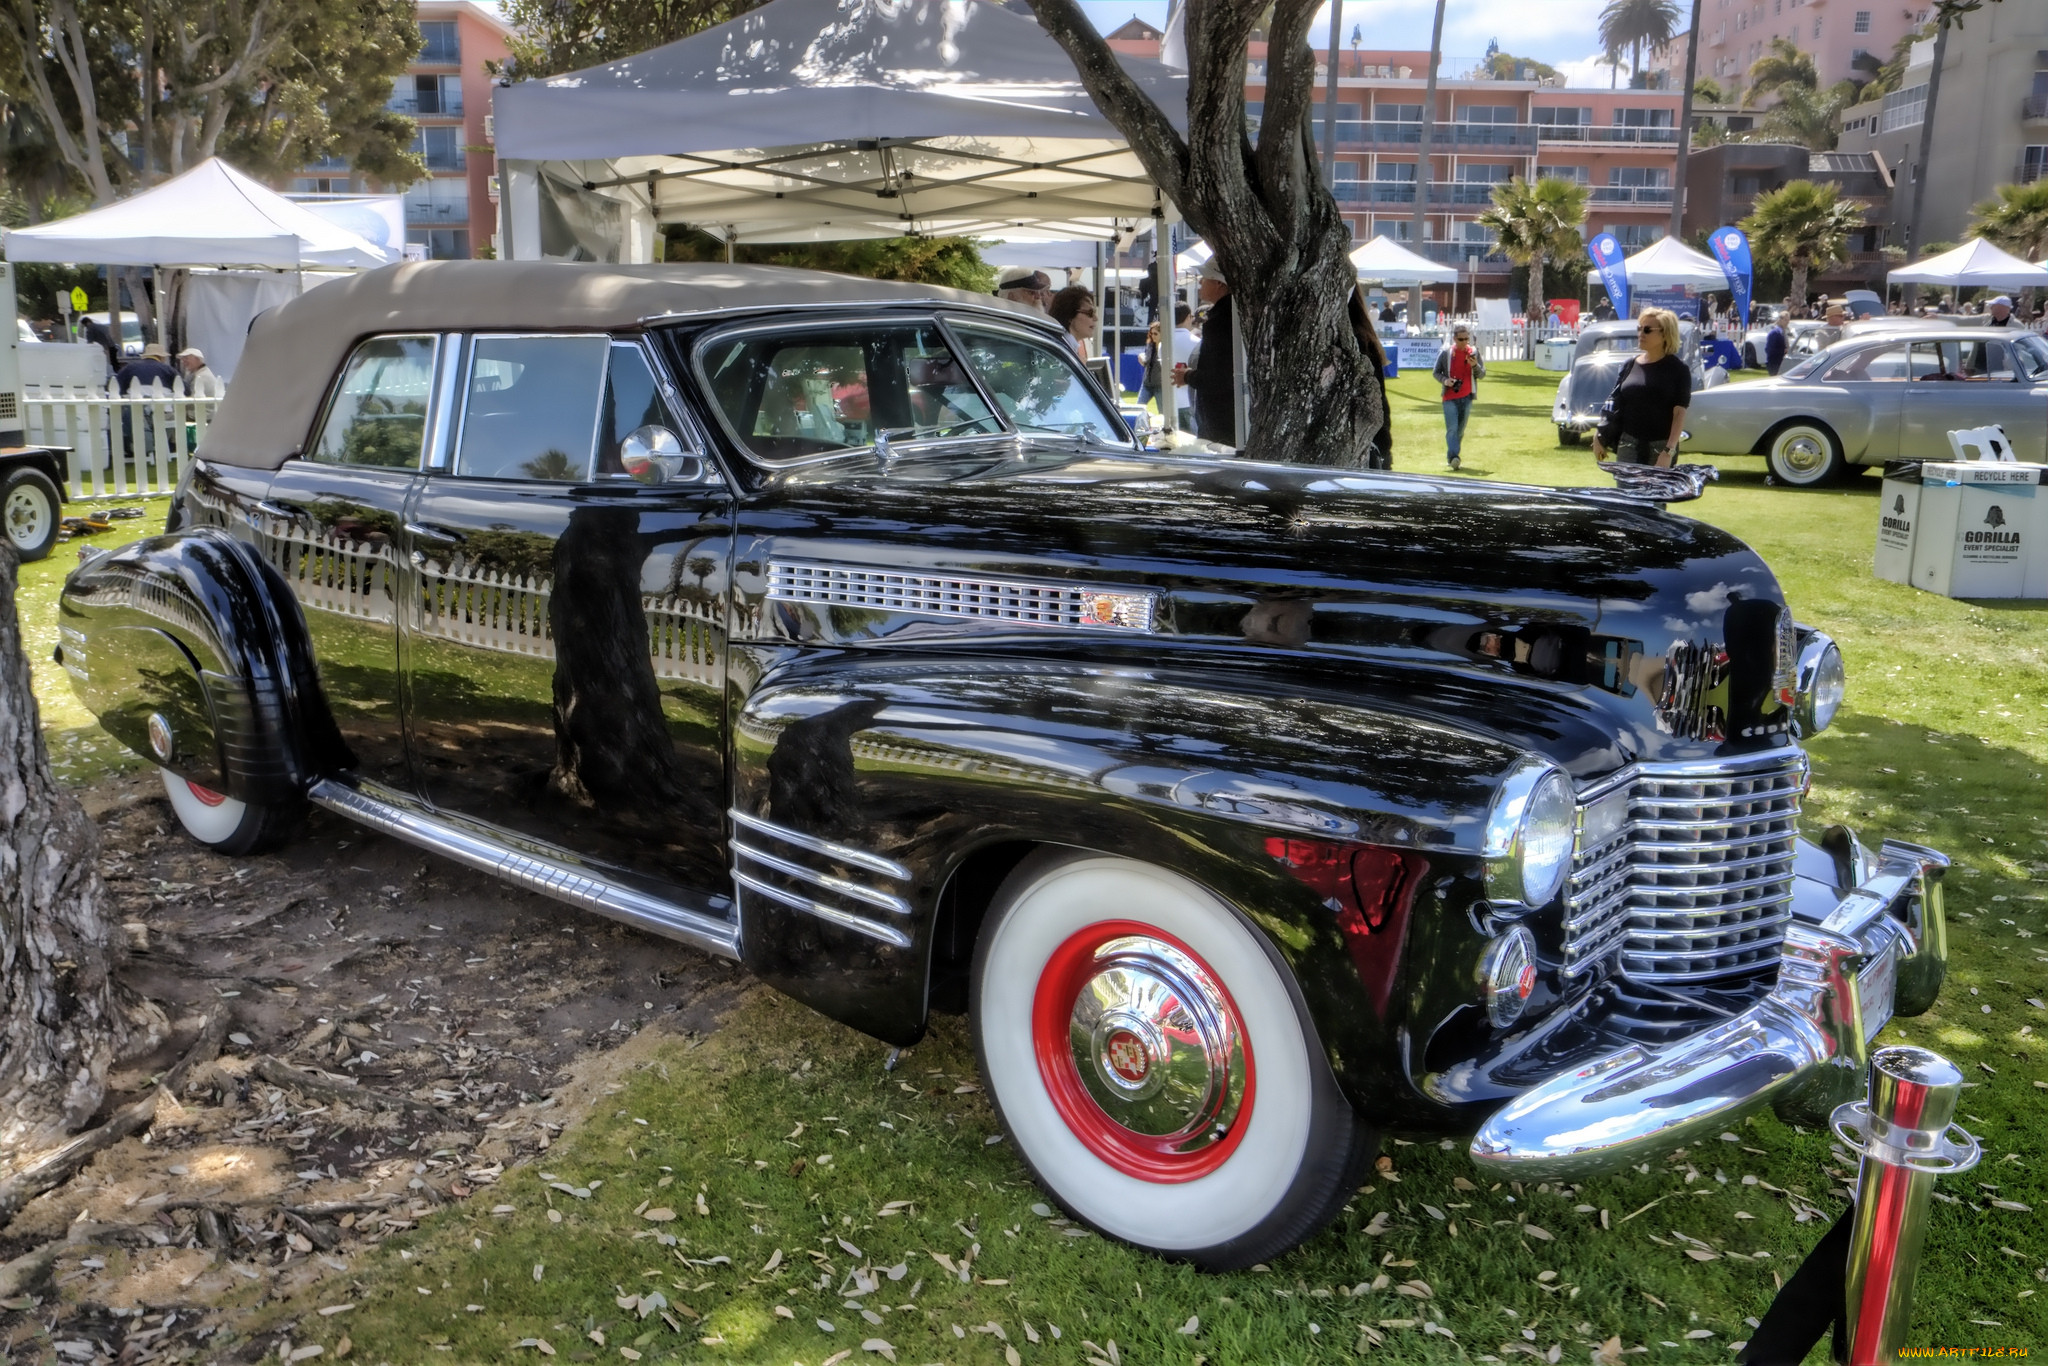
(1561, 32)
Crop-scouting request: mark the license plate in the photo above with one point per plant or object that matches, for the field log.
(1874, 987)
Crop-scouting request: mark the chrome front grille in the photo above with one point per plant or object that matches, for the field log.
(1684, 871)
(983, 599)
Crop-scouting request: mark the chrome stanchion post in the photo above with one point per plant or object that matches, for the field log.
(1906, 1136)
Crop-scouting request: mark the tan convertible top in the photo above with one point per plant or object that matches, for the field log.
(294, 350)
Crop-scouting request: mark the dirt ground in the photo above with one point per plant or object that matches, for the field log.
(484, 1018)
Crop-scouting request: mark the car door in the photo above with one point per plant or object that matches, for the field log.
(1860, 394)
(2016, 373)
(330, 523)
(1948, 389)
(566, 640)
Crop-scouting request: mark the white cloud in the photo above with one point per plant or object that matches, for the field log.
(1592, 71)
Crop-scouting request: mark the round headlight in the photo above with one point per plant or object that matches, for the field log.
(1823, 682)
(1529, 835)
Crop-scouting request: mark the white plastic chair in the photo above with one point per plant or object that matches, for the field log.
(1988, 443)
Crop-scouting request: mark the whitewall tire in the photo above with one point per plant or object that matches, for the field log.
(1805, 454)
(1153, 1064)
(220, 822)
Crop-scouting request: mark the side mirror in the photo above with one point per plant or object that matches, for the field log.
(655, 455)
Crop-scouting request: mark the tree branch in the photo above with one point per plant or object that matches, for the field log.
(1283, 161)
(1151, 135)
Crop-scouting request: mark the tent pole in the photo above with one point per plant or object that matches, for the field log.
(1162, 294)
(1116, 335)
(731, 236)
(1101, 306)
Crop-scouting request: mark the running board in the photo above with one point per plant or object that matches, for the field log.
(530, 867)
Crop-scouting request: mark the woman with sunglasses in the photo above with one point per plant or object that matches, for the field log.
(1074, 309)
(1646, 412)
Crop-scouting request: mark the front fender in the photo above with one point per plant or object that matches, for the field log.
(193, 630)
(850, 765)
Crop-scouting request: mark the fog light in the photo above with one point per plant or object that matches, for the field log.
(1507, 974)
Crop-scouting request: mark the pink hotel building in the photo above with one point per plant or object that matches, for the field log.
(1845, 38)
(1621, 144)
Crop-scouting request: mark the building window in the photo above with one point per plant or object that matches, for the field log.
(439, 44)
(442, 244)
(442, 148)
(2033, 163)
(1575, 174)
(1634, 236)
(1485, 173)
(1394, 171)
(1749, 185)
(1816, 28)
(1640, 176)
(430, 95)
(1642, 118)
(1862, 21)
(437, 202)
(323, 185)
(1488, 113)
(1397, 113)
(1902, 109)
(1398, 229)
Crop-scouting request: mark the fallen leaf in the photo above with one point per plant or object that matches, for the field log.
(879, 1348)
(1700, 1254)
(540, 1345)
(783, 1311)
(1534, 1232)
(773, 1262)
(1609, 1353)
(659, 1215)
(330, 1309)
(1696, 1334)
(2013, 1205)
(1192, 1326)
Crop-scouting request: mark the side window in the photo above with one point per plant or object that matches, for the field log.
(1039, 389)
(378, 415)
(1876, 363)
(1936, 360)
(1986, 360)
(531, 408)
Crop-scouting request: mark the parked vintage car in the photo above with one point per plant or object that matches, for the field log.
(1887, 394)
(1753, 341)
(837, 627)
(1602, 349)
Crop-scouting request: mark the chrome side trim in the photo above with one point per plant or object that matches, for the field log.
(395, 815)
(1804, 1044)
(873, 929)
(895, 905)
(859, 858)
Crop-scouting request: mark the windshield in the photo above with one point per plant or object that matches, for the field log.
(800, 393)
(1807, 365)
(2032, 354)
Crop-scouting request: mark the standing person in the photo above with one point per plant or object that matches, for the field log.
(1999, 313)
(1380, 454)
(1459, 368)
(1830, 331)
(1646, 412)
(1024, 285)
(1774, 346)
(1074, 309)
(198, 379)
(1212, 374)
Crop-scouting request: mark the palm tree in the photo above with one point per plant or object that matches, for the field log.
(1810, 118)
(1534, 224)
(1709, 133)
(2016, 218)
(1707, 90)
(1783, 67)
(1803, 226)
(1633, 24)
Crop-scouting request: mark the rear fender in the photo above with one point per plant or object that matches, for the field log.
(920, 781)
(194, 630)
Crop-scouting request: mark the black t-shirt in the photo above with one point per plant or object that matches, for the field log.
(1644, 398)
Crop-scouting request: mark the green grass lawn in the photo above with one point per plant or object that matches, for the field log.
(815, 1165)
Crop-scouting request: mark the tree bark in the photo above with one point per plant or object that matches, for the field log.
(1799, 269)
(1534, 313)
(59, 1026)
(1274, 226)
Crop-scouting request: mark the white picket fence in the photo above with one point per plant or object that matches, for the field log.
(472, 605)
(118, 445)
(1505, 343)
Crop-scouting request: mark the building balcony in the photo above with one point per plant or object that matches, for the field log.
(1593, 133)
(1460, 254)
(2034, 108)
(1365, 135)
(1442, 193)
(436, 213)
(427, 106)
(1650, 196)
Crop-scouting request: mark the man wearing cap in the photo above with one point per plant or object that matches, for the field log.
(1830, 332)
(1999, 312)
(199, 379)
(1213, 377)
(1025, 285)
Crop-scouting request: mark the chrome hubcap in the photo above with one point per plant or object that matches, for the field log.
(1803, 454)
(27, 517)
(1157, 1045)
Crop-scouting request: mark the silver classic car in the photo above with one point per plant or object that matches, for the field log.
(1891, 396)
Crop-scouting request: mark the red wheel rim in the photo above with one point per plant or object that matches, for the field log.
(1186, 1155)
(206, 795)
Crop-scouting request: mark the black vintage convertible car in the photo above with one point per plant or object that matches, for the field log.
(838, 627)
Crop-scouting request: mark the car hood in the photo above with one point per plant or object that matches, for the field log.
(1562, 619)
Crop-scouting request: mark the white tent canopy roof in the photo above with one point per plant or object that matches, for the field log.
(1668, 263)
(1390, 263)
(1975, 262)
(212, 215)
(829, 119)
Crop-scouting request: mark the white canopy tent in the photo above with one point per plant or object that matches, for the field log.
(1975, 262)
(819, 120)
(1387, 261)
(212, 215)
(1668, 263)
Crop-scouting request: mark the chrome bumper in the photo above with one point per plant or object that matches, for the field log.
(1882, 951)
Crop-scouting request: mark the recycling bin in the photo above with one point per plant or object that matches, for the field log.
(1977, 530)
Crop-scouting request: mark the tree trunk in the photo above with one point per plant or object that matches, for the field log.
(59, 1028)
(1798, 300)
(1533, 310)
(1273, 224)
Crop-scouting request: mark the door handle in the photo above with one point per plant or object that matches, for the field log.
(290, 512)
(439, 535)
